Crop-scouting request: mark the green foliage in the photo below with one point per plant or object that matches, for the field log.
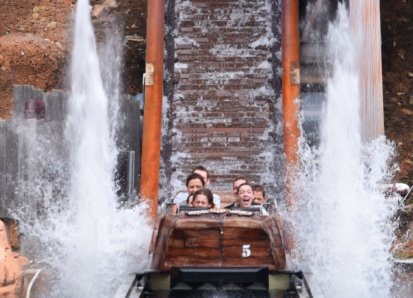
(402, 255)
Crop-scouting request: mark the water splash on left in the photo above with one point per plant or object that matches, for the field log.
(82, 236)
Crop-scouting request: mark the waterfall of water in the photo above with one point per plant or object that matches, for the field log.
(87, 241)
(341, 223)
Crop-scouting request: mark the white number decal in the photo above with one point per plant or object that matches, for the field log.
(246, 252)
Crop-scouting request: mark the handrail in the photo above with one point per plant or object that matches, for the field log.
(32, 281)
(272, 208)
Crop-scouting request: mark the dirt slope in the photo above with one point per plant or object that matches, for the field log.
(35, 42)
(397, 49)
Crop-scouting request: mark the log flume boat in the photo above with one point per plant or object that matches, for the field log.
(197, 252)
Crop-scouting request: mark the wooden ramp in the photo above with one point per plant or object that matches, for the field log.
(225, 86)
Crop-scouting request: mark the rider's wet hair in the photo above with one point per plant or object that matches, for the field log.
(194, 176)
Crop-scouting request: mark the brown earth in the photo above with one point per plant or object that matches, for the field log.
(35, 48)
(35, 43)
(397, 57)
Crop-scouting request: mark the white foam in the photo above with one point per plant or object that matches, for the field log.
(341, 220)
(83, 237)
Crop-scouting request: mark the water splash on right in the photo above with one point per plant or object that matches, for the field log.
(342, 224)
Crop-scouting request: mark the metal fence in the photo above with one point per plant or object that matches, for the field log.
(34, 152)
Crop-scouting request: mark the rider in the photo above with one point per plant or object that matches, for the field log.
(203, 198)
(259, 194)
(203, 172)
(237, 182)
(193, 183)
(245, 196)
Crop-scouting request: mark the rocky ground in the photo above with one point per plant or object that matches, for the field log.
(397, 57)
(11, 264)
(35, 42)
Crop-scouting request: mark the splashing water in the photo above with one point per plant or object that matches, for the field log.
(341, 223)
(88, 242)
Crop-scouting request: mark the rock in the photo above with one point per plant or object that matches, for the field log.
(403, 250)
(51, 26)
(97, 11)
(38, 67)
(134, 38)
(10, 264)
(9, 291)
(407, 112)
(408, 162)
(58, 44)
(111, 4)
(100, 9)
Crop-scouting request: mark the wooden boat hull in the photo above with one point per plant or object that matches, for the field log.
(204, 253)
(218, 240)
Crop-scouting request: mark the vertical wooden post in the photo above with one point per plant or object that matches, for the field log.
(365, 19)
(151, 138)
(290, 44)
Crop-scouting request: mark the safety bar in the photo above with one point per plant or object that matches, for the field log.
(168, 208)
(268, 208)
